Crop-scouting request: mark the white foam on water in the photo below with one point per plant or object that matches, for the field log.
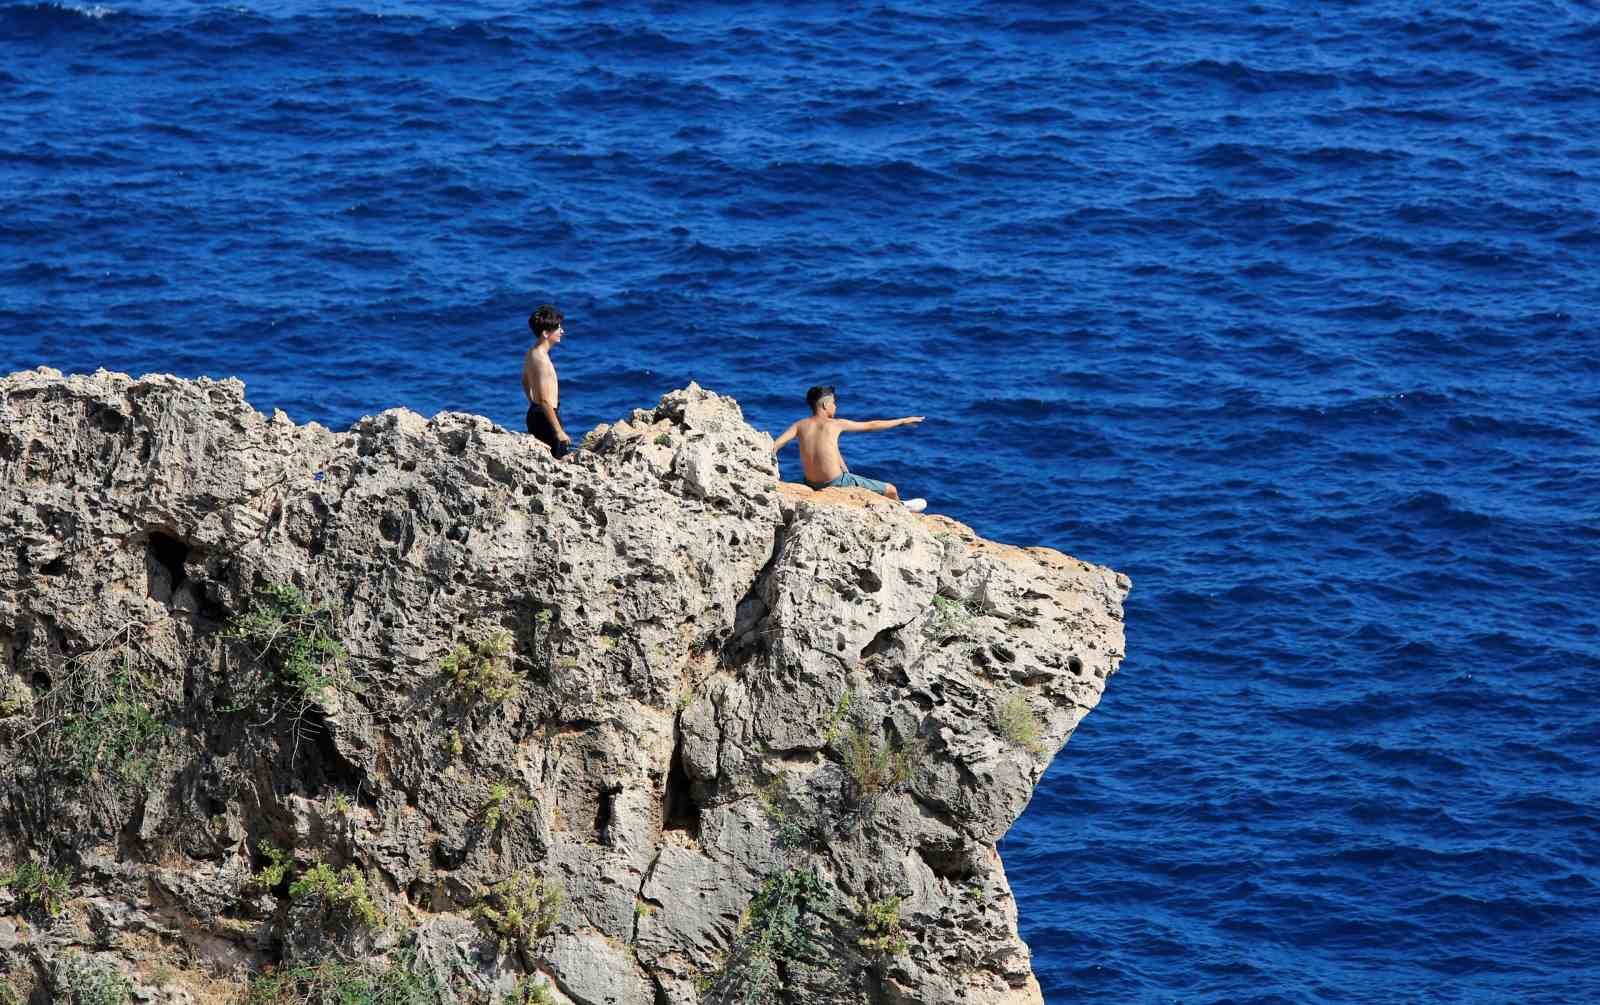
(96, 13)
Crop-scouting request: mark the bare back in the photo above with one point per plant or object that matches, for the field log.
(818, 437)
(539, 378)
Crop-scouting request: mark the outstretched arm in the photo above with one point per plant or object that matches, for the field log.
(783, 441)
(872, 426)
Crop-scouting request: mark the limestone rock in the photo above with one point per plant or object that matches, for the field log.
(650, 678)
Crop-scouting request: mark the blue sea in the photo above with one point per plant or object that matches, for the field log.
(1286, 309)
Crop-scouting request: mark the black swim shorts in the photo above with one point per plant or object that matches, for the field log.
(544, 432)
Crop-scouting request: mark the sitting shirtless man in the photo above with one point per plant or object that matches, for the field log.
(819, 446)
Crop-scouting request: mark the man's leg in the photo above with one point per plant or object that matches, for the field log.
(870, 484)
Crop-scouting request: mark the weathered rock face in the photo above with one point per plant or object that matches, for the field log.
(651, 677)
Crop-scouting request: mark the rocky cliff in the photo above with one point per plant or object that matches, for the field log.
(415, 712)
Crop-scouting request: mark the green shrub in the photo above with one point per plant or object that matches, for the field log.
(521, 910)
(335, 982)
(503, 806)
(841, 708)
(294, 640)
(875, 765)
(879, 924)
(279, 863)
(529, 992)
(1017, 724)
(950, 617)
(342, 893)
(39, 888)
(14, 700)
(102, 720)
(781, 932)
(482, 670)
(87, 982)
(793, 825)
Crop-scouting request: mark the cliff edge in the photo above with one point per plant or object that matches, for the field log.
(286, 711)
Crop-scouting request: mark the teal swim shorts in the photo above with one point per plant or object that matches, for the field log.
(850, 481)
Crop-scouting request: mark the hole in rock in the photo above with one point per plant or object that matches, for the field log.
(883, 642)
(1075, 665)
(327, 767)
(164, 556)
(420, 894)
(108, 420)
(447, 858)
(605, 813)
(950, 861)
(679, 811)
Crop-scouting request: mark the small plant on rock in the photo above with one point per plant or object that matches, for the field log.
(295, 642)
(503, 806)
(279, 863)
(14, 700)
(340, 893)
(102, 717)
(481, 671)
(875, 765)
(529, 992)
(793, 825)
(841, 708)
(950, 617)
(781, 934)
(336, 982)
(88, 982)
(1016, 723)
(39, 888)
(521, 910)
(879, 925)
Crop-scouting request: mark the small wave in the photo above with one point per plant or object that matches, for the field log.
(1251, 79)
(1227, 155)
(37, 272)
(630, 41)
(1045, 26)
(38, 18)
(1425, 78)
(1348, 156)
(1438, 511)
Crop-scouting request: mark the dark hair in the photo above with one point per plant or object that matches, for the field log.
(817, 393)
(544, 320)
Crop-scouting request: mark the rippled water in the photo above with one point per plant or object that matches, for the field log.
(1287, 310)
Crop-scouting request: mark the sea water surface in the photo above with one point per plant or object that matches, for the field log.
(1285, 309)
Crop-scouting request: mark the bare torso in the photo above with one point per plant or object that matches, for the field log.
(539, 378)
(818, 437)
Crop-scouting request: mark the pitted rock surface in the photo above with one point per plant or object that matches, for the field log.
(699, 653)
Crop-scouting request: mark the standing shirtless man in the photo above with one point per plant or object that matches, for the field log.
(819, 446)
(539, 381)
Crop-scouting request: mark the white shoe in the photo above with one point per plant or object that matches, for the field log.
(916, 505)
